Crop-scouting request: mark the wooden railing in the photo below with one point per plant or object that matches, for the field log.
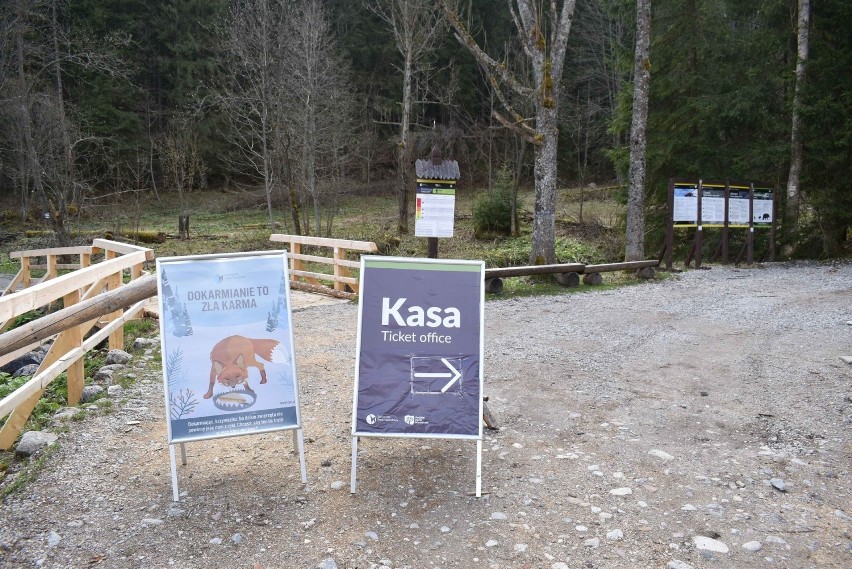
(340, 265)
(67, 351)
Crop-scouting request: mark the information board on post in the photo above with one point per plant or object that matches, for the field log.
(435, 208)
(419, 353)
(227, 347)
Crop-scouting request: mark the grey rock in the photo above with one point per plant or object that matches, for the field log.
(33, 441)
(615, 535)
(753, 546)
(327, 564)
(152, 522)
(780, 484)
(709, 544)
(216, 541)
(103, 375)
(112, 367)
(842, 515)
(678, 564)
(661, 455)
(67, 413)
(53, 539)
(31, 358)
(372, 535)
(114, 390)
(90, 393)
(492, 543)
(141, 343)
(237, 538)
(337, 485)
(117, 357)
(29, 369)
(498, 516)
(592, 542)
(559, 565)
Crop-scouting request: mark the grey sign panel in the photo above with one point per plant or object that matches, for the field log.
(419, 354)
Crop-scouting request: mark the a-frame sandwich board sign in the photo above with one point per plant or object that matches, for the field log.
(419, 354)
(227, 349)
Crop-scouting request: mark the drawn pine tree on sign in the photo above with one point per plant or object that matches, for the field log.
(177, 312)
(182, 403)
(277, 306)
(174, 368)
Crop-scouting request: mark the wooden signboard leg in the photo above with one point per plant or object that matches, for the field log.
(352, 476)
(175, 494)
(183, 454)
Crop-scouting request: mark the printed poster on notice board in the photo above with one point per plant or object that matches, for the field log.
(227, 345)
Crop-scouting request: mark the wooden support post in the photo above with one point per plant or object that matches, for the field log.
(669, 246)
(725, 230)
(432, 243)
(26, 278)
(699, 233)
(488, 417)
(52, 272)
(17, 420)
(750, 236)
(70, 339)
(116, 339)
(568, 279)
(494, 286)
(339, 270)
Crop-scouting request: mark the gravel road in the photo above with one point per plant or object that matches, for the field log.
(699, 421)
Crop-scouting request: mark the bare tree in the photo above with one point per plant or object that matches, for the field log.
(544, 43)
(791, 224)
(320, 104)
(414, 25)
(252, 102)
(180, 156)
(51, 152)
(635, 247)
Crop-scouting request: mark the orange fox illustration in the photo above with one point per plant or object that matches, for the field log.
(231, 357)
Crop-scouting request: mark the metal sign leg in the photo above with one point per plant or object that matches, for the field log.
(479, 468)
(303, 469)
(175, 495)
(183, 454)
(352, 476)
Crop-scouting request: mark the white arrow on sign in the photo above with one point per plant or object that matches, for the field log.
(455, 375)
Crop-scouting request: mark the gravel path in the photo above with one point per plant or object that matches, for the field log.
(700, 421)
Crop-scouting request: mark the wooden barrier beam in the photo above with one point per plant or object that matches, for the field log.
(628, 266)
(36, 296)
(140, 289)
(534, 270)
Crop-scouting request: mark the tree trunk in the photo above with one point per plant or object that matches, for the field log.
(635, 248)
(403, 151)
(543, 249)
(791, 225)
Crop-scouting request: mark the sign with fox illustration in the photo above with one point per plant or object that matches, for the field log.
(227, 345)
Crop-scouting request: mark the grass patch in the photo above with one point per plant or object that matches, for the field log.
(30, 471)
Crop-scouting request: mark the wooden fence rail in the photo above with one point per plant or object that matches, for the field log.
(67, 351)
(340, 265)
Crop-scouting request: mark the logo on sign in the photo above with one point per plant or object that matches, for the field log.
(409, 419)
(371, 419)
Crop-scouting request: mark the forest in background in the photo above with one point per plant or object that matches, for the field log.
(307, 100)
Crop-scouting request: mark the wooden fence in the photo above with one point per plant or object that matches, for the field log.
(66, 353)
(340, 265)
